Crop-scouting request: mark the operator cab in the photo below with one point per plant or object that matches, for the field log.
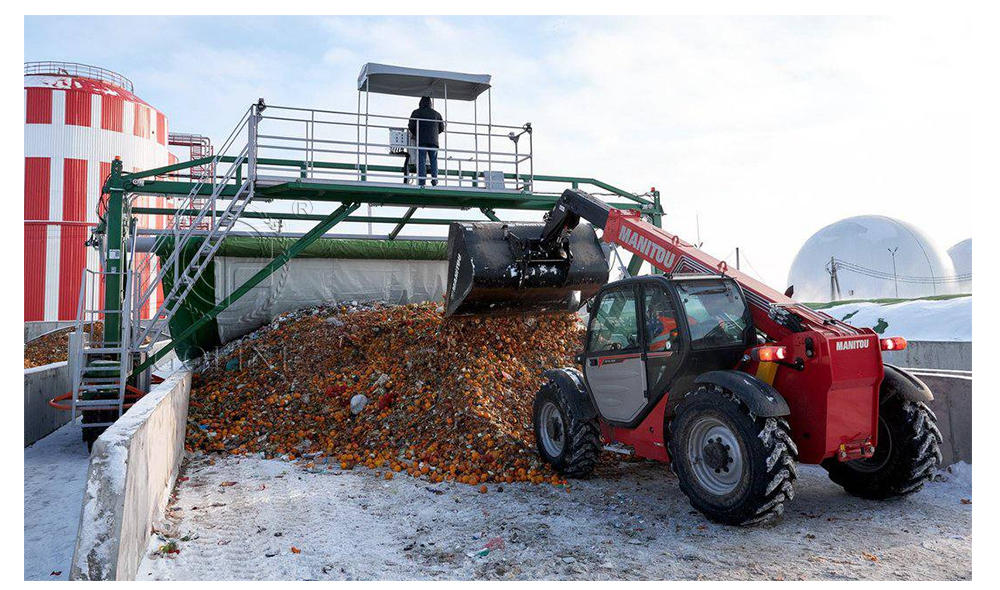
(653, 334)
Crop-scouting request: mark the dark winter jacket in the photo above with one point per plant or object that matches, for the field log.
(429, 129)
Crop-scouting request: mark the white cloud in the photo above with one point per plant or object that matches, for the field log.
(766, 128)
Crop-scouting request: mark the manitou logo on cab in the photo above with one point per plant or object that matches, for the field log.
(852, 344)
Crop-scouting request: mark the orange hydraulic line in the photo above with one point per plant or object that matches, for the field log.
(54, 401)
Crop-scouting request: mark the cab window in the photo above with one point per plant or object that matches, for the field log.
(716, 313)
(664, 344)
(614, 325)
(661, 321)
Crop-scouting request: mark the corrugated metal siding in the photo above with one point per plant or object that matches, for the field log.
(161, 129)
(36, 188)
(36, 207)
(72, 253)
(78, 105)
(39, 106)
(35, 235)
(112, 113)
(141, 125)
(100, 122)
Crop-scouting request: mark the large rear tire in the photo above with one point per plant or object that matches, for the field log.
(734, 467)
(906, 455)
(567, 441)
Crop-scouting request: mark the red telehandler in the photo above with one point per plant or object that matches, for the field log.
(728, 380)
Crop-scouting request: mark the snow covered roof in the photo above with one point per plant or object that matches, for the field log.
(400, 81)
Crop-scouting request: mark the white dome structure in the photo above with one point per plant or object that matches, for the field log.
(961, 259)
(862, 251)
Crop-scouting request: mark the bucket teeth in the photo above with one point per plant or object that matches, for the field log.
(489, 274)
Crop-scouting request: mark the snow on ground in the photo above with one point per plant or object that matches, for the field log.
(55, 473)
(920, 319)
(241, 518)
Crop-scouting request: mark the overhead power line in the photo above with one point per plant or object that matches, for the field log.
(843, 265)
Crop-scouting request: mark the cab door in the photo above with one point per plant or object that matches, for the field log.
(665, 337)
(614, 362)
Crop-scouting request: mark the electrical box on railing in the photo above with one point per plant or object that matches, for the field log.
(399, 140)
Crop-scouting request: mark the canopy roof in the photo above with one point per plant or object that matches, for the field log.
(386, 79)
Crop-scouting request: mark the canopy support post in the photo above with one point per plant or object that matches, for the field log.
(475, 137)
(357, 136)
(446, 135)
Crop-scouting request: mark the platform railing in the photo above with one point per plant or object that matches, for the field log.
(485, 155)
(78, 70)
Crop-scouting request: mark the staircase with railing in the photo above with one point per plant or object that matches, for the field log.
(102, 365)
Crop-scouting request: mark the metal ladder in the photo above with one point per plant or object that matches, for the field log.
(99, 372)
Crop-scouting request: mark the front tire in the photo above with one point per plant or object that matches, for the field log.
(735, 468)
(567, 441)
(906, 455)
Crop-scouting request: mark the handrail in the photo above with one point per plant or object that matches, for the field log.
(182, 236)
(71, 68)
(398, 117)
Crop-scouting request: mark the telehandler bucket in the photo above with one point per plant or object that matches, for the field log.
(495, 268)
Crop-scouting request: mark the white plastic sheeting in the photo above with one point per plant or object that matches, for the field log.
(306, 282)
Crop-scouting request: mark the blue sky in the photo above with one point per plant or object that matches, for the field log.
(763, 128)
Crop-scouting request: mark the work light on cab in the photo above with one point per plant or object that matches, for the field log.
(894, 343)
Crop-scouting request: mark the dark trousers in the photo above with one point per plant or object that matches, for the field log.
(423, 155)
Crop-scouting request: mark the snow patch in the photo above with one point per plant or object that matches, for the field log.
(921, 319)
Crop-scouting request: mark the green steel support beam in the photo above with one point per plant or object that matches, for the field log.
(162, 170)
(381, 195)
(157, 187)
(399, 226)
(490, 214)
(657, 218)
(294, 250)
(292, 216)
(114, 257)
(634, 265)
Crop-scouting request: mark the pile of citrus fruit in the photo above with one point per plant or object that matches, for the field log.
(54, 346)
(396, 389)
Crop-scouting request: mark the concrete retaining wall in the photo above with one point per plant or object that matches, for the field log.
(33, 330)
(133, 467)
(40, 385)
(929, 354)
(953, 406)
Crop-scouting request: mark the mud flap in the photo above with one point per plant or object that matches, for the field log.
(761, 398)
(900, 382)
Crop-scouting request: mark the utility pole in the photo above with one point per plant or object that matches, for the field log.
(834, 281)
(892, 252)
